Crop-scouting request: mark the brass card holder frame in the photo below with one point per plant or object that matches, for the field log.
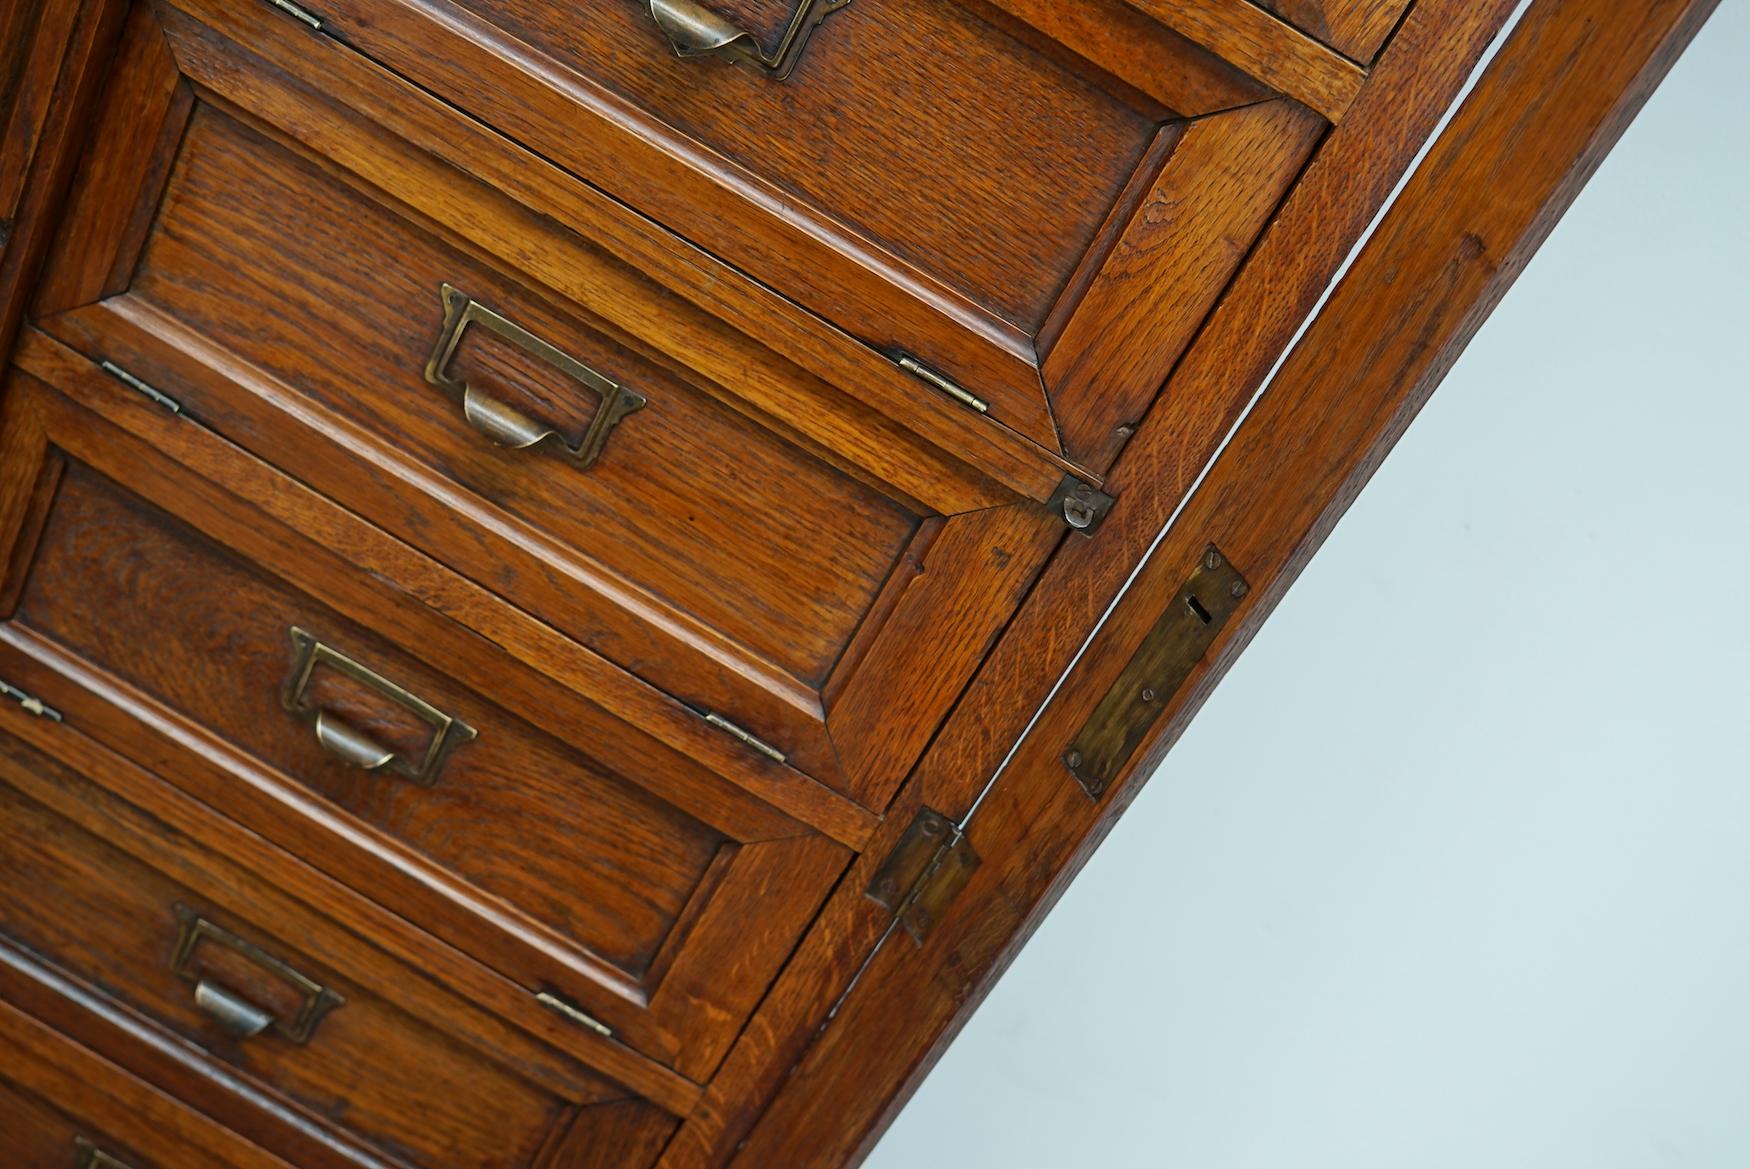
(235, 1014)
(693, 30)
(351, 745)
(503, 424)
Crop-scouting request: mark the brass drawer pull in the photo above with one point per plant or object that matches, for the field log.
(353, 746)
(237, 1015)
(696, 31)
(503, 423)
(92, 1157)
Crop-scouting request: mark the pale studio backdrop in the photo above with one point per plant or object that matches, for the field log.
(1453, 871)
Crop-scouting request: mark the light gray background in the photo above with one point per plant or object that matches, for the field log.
(1454, 869)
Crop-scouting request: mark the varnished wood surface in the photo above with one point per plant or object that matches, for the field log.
(905, 412)
(53, 58)
(483, 1010)
(455, 860)
(1353, 173)
(1355, 28)
(730, 565)
(259, 214)
(107, 876)
(694, 760)
(1274, 53)
(530, 66)
(519, 814)
(54, 1092)
(1140, 310)
(1550, 107)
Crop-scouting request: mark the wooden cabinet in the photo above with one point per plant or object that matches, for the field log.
(563, 567)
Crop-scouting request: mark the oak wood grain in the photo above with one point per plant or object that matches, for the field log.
(55, 56)
(1552, 104)
(54, 1092)
(484, 1009)
(1183, 240)
(679, 1018)
(1129, 48)
(1355, 28)
(798, 369)
(735, 584)
(694, 759)
(106, 877)
(1275, 53)
(881, 303)
(1355, 169)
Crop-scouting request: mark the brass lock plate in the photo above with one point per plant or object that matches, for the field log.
(1159, 667)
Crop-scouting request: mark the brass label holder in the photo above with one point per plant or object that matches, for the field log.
(351, 745)
(235, 1014)
(1159, 667)
(503, 424)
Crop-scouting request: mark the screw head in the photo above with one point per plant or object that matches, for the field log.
(1073, 757)
(1148, 694)
(1239, 589)
(1212, 559)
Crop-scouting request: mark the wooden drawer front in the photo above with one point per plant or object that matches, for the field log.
(297, 310)
(62, 1107)
(513, 812)
(116, 900)
(565, 848)
(1039, 204)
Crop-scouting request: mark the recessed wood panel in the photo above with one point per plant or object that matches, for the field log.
(940, 181)
(934, 136)
(561, 845)
(304, 278)
(107, 917)
(279, 273)
(517, 813)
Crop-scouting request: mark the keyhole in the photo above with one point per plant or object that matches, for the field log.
(1196, 607)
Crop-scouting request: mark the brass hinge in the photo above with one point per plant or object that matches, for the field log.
(156, 395)
(30, 702)
(560, 1007)
(303, 14)
(1083, 506)
(746, 736)
(1163, 661)
(942, 382)
(923, 874)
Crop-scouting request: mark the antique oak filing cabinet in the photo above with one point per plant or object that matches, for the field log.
(535, 531)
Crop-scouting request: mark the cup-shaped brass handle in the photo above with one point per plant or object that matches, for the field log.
(236, 1014)
(694, 30)
(351, 745)
(504, 424)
